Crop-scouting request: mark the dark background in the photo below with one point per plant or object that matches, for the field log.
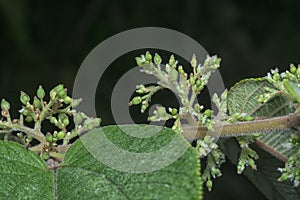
(44, 42)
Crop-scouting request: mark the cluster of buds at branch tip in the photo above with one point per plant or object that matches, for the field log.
(59, 111)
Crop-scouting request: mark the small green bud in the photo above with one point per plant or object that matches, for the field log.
(5, 105)
(28, 119)
(25, 112)
(75, 102)
(198, 83)
(66, 121)
(180, 70)
(59, 87)
(77, 118)
(136, 100)
(62, 93)
(209, 184)
(248, 118)
(60, 135)
(24, 98)
(54, 134)
(67, 100)
(96, 122)
(40, 92)
(143, 108)
(157, 59)
(208, 113)
(192, 80)
(139, 61)
(62, 116)
(172, 61)
(298, 71)
(194, 61)
(148, 56)
(37, 103)
(53, 120)
(49, 137)
(45, 156)
(276, 76)
(293, 69)
(174, 111)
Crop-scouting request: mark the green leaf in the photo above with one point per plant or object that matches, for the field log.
(82, 175)
(23, 175)
(242, 98)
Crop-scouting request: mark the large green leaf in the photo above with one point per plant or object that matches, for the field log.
(242, 98)
(89, 178)
(23, 175)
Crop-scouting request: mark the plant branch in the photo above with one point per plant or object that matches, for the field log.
(245, 128)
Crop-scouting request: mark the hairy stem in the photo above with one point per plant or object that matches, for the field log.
(244, 128)
(32, 132)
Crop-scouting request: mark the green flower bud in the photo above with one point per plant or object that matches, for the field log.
(298, 71)
(20, 135)
(62, 116)
(194, 61)
(24, 98)
(96, 122)
(198, 83)
(37, 103)
(5, 105)
(157, 59)
(40, 92)
(77, 118)
(172, 61)
(283, 177)
(60, 135)
(192, 80)
(276, 76)
(59, 87)
(49, 137)
(143, 108)
(62, 93)
(209, 184)
(148, 56)
(55, 134)
(180, 69)
(45, 156)
(293, 69)
(174, 111)
(75, 102)
(66, 121)
(28, 119)
(53, 120)
(67, 100)
(139, 61)
(208, 113)
(136, 100)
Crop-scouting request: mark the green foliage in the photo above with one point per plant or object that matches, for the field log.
(24, 175)
(276, 142)
(272, 96)
(59, 111)
(187, 87)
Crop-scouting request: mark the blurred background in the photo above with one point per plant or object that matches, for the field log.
(45, 42)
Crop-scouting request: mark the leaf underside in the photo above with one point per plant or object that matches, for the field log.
(242, 98)
(82, 176)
